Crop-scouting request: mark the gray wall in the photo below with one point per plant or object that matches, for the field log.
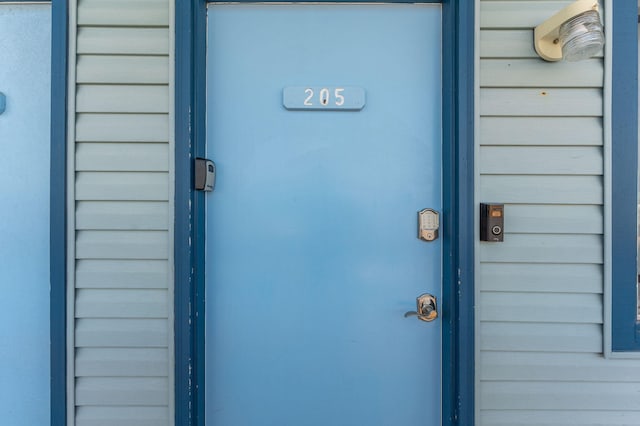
(540, 293)
(120, 286)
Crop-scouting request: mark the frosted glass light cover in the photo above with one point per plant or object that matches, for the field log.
(582, 36)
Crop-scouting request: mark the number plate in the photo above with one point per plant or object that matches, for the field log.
(323, 98)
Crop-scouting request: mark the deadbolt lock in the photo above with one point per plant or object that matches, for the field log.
(428, 225)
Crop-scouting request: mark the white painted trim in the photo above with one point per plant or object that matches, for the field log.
(71, 208)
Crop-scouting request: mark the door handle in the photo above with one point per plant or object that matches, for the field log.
(426, 308)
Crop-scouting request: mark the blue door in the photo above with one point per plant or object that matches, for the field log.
(324, 122)
(24, 212)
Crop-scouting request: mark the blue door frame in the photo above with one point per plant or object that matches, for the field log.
(58, 235)
(458, 209)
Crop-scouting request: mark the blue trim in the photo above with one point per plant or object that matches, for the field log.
(624, 176)
(189, 213)
(458, 129)
(58, 236)
(458, 364)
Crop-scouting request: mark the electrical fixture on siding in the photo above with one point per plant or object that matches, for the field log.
(492, 222)
(3, 102)
(574, 33)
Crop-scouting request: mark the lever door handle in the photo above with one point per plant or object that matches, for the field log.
(426, 308)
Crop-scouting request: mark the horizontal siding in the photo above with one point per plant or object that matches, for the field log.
(121, 416)
(101, 98)
(536, 73)
(536, 160)
(545, 248)
(148, 157)
(122, 391)
(122, 69)
(556, 131)
(553, 219)
(522, 189)
(541, 277)
(121, 333)
(123, 186)
(539, 307)
(511, 15)
(108, 273)
(559, 418)
(122, 362)
(123, 40)
(539, 337)
(135, 13)
(560, 396)
(567, 367)
(123, 240)
(122, 215)
(512, 44)
(122, 128)
(122, 245)
(541, 102)
(119, 303)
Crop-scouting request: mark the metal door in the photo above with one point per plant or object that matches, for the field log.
(324, 122)
(25, 104)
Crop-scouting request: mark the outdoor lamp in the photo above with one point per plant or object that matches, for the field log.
(574, 33)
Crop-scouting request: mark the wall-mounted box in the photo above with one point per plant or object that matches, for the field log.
(491, 222)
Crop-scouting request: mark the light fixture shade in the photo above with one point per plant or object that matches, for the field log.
(582, 33)
(582, 36)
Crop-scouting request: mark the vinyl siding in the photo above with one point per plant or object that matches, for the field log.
(122, 286)
(540, 293)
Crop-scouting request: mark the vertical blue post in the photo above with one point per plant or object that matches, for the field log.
(58, 197)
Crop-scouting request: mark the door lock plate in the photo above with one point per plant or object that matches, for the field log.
(426, 308)
(428, 224)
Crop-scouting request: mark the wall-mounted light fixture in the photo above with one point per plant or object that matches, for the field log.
(574, 33)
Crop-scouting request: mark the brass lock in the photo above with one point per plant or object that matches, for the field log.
(428, 225)
(426, 308)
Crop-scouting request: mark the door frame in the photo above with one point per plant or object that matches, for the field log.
(58, 211)
(458, 96)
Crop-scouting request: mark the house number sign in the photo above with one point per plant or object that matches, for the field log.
(328, 98)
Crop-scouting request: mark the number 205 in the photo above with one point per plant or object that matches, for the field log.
(324, 97)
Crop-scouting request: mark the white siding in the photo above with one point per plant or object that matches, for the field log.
(540, 293)
(122, 288)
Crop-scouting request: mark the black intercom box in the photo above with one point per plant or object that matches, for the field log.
(491, 222)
